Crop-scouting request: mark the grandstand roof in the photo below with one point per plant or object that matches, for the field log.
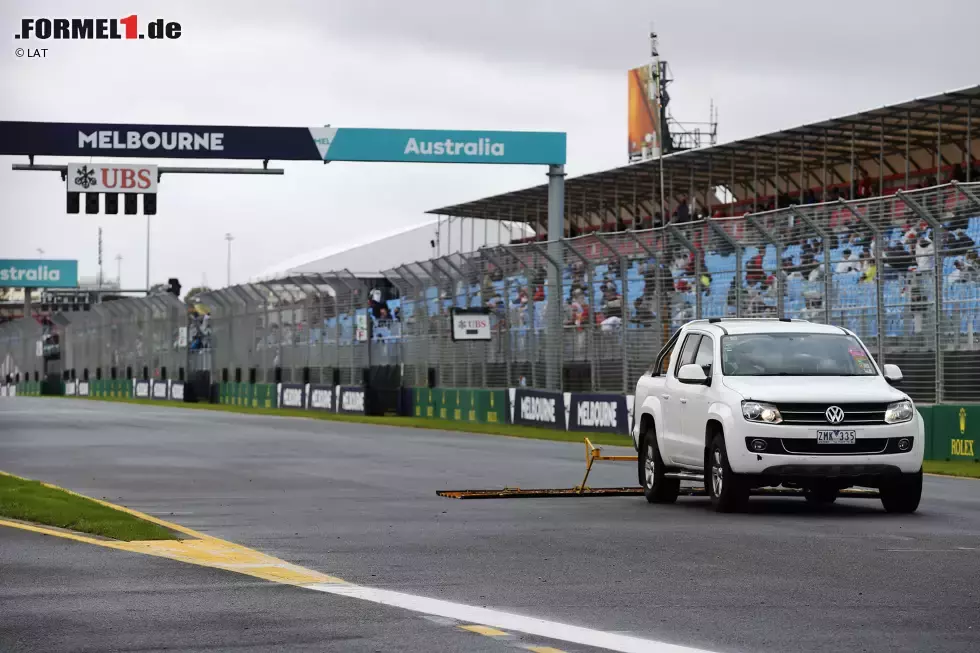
(771, 163)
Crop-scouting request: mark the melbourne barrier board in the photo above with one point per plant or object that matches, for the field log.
(539, 408)
(158, 389)
(600, 413)
(351, 400)
(141, 389)
(281, 143)
(321, 397)
(292, 395)
(176, 390)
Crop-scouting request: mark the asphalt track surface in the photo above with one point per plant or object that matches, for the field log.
(359, 502)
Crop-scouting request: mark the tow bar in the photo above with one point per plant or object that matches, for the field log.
(594, 453)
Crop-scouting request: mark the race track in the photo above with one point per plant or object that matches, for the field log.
(359, 502)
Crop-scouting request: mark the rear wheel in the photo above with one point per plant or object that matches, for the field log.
(902, 494)
(727, 490)
(656, 488)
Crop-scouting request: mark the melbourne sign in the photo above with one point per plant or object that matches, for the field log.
(539, 408)
(292, 395)
(111, 178)
(321, 397)
(281, 143)
(351, 400)
(38, 273)
(598, 413)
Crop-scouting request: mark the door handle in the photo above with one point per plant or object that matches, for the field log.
(665, 396)
(683, 400)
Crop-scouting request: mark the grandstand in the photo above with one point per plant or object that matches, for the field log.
(870, 221)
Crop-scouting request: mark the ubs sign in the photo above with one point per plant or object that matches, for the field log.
(111, 178)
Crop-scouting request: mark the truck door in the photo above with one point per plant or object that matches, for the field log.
(674, 400)
(695, 400)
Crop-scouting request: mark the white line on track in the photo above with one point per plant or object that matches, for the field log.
(503, 620)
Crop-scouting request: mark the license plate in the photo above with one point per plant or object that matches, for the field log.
(836, 437)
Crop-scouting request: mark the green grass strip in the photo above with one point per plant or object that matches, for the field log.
(967, 468)
(509, 430)
(32, 501)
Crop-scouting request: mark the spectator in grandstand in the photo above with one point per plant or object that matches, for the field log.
(612, 303)
(897, 257)
(959, 242)
(959, 273)
(868, 268)
(682, 213)
(850, 262)
(753, 271)
(376, 302)
(924, 251)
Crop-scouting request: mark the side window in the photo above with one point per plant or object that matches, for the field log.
(706, 355)
(688, 352)
(660, 366)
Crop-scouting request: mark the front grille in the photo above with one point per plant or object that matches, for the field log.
(810, 446)
(815, 414)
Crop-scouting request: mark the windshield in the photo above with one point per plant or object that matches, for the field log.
(794, 354)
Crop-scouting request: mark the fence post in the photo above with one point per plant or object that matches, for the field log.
(553, 352)
(696, 254)
(879, 273)
(737, 248)
(624, 309)
(768, 235)
(938, 240)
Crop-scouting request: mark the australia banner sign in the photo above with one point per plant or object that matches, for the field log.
(38, 273)
(281, 143)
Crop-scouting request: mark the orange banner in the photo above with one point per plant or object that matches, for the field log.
(641, 125)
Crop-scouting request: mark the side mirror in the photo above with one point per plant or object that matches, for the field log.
(893, 374)
(692, 374)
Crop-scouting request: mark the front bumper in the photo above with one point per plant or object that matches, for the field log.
(813, 464)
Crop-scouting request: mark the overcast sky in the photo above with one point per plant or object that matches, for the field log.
(556, 65)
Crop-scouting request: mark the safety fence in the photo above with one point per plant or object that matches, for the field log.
(587, 314)
(952, 431)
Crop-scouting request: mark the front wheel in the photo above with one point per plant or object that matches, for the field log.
(902, 494)
(656, 488)
(727, 490)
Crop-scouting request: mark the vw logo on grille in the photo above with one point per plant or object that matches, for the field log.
(835, 414)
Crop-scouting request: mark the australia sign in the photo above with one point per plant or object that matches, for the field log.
(281, 143)
(38, 273)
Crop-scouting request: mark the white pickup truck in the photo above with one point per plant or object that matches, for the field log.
(747, 403)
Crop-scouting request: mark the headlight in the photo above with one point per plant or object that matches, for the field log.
(900, 411)
(757, 412)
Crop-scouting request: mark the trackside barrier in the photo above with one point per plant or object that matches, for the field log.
(539, 408)
(141, 389)
(292, 395)
(159, 390)
(461, 405)
(955, 432)
(598, 413)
